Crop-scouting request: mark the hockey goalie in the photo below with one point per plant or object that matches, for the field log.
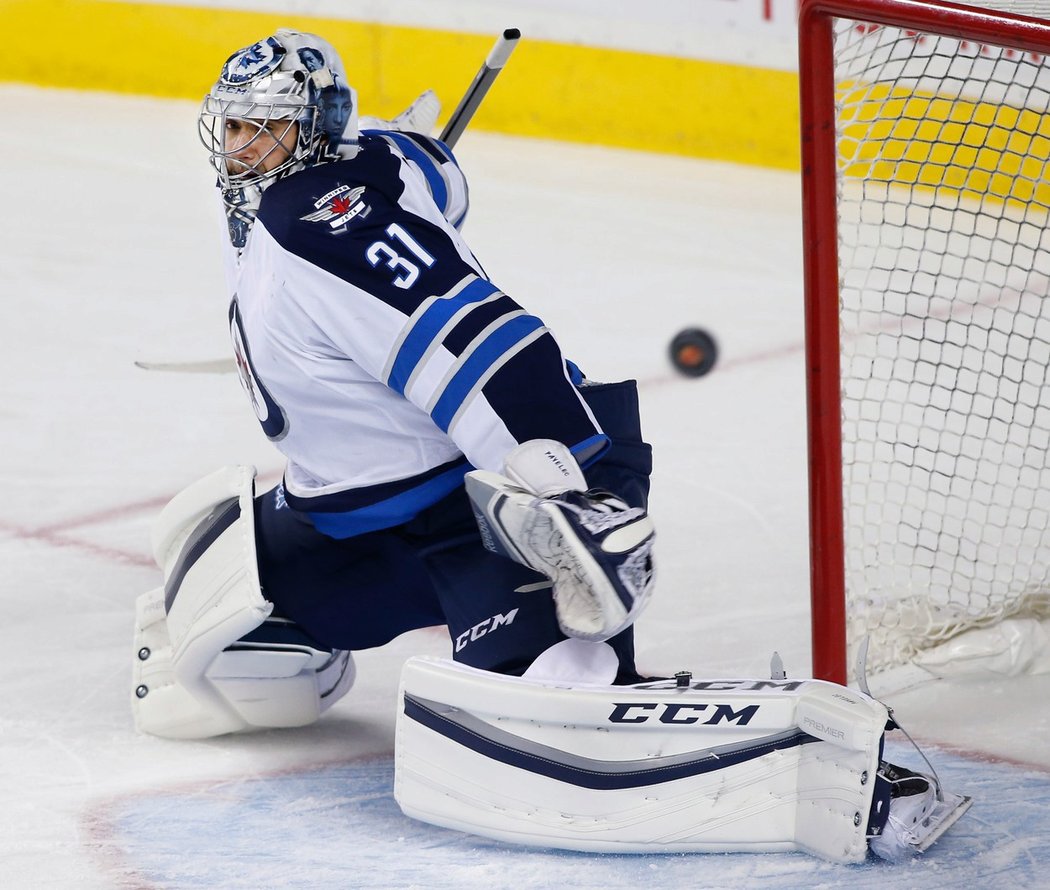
(446, 465)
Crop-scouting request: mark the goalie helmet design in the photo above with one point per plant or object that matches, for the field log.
(279, 105)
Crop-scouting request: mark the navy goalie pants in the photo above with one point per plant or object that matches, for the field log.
(361, 592)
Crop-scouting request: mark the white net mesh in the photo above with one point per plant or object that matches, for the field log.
(944, 193)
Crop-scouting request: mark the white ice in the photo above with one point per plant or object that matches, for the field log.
(109, 255)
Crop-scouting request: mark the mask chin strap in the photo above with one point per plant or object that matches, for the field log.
(241, 205)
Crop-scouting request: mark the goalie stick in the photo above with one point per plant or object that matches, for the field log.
(207, 366)
(480, 86)
(457, 123)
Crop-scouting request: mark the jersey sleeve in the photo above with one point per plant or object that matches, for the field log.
(397, 291)
(439, 169)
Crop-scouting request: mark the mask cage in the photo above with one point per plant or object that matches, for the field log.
(271, 120)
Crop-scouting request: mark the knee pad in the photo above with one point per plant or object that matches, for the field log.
(209, 659)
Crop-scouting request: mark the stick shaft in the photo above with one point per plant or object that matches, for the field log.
(209, 366)
(481, 84)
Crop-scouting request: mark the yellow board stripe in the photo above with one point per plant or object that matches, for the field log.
(549, 90)
(953, 146)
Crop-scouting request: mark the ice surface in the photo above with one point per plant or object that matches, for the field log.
(349, 808)
(109, 256)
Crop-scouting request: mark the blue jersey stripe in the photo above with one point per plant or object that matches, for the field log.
(433, 147)
(487, 357)
(428, 326)
(390, 512)
(435, 178)
(589, 450)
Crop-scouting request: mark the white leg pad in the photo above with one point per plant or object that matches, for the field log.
(715, 766)
(194, 674)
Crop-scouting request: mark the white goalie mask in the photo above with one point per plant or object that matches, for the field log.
(278, 105)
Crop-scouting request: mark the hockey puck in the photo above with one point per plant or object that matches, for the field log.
(693, 352)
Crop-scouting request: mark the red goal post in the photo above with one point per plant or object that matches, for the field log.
(910, 147)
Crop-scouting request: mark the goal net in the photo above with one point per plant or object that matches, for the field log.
(926, 141)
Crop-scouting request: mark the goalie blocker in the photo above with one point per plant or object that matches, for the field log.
(664, 766)
(595, 549)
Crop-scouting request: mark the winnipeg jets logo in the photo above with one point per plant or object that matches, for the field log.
(258, 59)
(339, 207)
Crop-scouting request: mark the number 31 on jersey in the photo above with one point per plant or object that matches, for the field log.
(392, 254)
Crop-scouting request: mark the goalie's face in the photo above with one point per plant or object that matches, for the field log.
(254, 148)
(253, 143)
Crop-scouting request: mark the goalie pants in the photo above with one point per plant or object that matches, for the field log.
(362, 592)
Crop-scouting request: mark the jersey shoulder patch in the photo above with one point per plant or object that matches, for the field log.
(339, 207)
(331, 198)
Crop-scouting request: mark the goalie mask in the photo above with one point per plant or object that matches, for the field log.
(278, 105)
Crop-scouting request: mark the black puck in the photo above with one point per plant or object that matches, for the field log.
(693, 352)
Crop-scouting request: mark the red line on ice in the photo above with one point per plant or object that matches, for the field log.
(119, 512)
(55, 539)
(56, 535)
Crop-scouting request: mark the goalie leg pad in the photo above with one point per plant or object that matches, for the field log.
(208, 661)
(719, 766)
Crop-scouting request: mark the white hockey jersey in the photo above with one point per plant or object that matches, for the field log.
(378, 356)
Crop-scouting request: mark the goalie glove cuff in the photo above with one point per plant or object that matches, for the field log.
(544, 467)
